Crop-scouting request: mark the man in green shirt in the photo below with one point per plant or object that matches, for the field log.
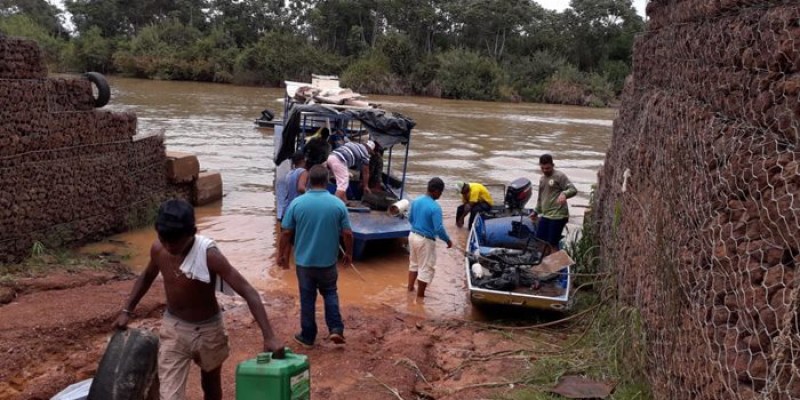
(551, 209)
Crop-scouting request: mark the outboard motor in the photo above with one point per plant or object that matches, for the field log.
(518, 193)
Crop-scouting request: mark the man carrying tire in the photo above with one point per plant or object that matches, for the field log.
(192, 328)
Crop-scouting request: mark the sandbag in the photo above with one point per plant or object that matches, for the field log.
(380, 201)
(128, 369)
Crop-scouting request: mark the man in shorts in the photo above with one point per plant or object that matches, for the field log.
(425, 217)
(192, 327)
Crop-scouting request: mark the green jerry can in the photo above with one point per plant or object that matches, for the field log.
(265, 378)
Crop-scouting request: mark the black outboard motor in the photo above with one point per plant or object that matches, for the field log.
(518, 193)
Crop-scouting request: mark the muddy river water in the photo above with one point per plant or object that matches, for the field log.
(491, 143)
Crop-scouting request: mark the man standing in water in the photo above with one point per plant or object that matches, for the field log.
(551, 209)
(425, 217)
(317, 220)
(192, 328)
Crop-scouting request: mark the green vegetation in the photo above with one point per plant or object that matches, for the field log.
(469, 49)
(608, 349)
(142, 214)
(45, 260)
(604, 339)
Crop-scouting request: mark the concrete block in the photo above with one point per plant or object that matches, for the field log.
(208, 188)
(182, 167)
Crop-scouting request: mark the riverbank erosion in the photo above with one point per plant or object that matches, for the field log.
(56, 327)
(697, 207)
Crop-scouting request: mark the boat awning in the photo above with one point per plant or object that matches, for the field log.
(386, 128)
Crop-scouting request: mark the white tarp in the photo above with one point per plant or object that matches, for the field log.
(76, 391)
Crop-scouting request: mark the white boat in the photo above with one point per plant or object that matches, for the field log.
(506, 265)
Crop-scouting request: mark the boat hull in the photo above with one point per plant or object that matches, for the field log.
(261, 123)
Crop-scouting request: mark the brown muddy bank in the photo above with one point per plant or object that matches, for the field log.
(53, 337)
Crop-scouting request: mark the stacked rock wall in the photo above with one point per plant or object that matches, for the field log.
(705, 241)
(68, 173)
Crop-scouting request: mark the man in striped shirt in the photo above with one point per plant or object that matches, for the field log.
(350, 155)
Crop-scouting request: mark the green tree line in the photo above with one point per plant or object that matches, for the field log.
(465, 49)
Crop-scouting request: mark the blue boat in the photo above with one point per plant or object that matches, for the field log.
(506, 265)
(369, 217)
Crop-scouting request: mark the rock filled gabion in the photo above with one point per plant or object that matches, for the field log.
(705, 241)
(68, 173)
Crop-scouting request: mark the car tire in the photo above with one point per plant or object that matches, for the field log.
(128, 369)
(103, 90)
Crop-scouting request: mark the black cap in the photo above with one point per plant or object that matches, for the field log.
(175, 216)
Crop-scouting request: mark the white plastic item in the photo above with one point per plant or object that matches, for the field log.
(399, 207)
(477, 270)
(76, 391)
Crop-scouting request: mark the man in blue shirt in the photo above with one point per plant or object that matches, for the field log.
(316, 220)
(425, 217)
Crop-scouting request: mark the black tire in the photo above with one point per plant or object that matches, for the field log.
(267, 115)
(128, 369)
(103, 90)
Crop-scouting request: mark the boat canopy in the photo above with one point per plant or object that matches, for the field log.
(384, 127)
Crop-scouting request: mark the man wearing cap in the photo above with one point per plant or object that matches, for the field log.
(192, 328)
(350, 155)
(551, 209)
(475, 198)
(425, 217)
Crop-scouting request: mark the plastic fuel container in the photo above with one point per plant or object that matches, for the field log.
(265, 378)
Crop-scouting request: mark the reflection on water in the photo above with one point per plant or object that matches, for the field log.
(491, 143)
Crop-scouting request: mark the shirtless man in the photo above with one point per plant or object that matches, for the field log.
(192, 327)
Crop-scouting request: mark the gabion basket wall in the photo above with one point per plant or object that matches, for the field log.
(705, 240)
(68, 173)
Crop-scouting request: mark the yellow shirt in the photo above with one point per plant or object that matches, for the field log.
(478, 192)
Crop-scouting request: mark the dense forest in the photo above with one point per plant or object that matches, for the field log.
(466, 49)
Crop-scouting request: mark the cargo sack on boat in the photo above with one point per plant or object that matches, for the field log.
(507, 279)
(551, 265)
(379, 201)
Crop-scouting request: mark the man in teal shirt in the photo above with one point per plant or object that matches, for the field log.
(317, 220)
(551, 209)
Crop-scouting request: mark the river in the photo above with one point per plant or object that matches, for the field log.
(491, 143)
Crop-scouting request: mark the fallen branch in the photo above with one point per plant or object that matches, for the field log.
(500, 355)
(391, 390)
(411, 364)
(542, 325)
(487, 384)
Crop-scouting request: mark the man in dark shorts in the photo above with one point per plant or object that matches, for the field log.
(192, 328)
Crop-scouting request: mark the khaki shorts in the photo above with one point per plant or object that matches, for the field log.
(181, 342)
(422, 257)
(340, 171)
